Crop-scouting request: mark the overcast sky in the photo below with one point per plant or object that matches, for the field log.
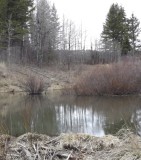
(92, 13)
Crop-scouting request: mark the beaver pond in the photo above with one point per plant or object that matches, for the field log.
(55, 114)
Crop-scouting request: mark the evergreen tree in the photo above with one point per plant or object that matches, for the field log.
(55, 27)
(126, 46)
(17, 13)
(115, 28)
(134, 31)
(3, 20)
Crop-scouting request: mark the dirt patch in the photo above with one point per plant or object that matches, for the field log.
(72, 147)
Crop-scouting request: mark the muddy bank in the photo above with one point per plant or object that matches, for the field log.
(124, 146)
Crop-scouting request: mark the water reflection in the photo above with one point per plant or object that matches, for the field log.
(53, 115)
(79, 119)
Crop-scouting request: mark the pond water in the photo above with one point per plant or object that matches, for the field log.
(54, 114)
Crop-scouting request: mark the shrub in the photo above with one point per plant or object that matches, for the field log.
(34, 85)
(112, 79)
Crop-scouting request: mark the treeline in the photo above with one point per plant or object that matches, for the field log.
(120, 31)
(14, 19)
(33, 33)
(28, 31)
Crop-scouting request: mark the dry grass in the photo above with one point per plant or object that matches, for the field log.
(34, 85)
(72, 146)
(120, 78)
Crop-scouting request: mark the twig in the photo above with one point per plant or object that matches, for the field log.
(69, 156)
(54, 154)
(53, 140)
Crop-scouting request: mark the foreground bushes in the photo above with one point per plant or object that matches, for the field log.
(112, 79)
(33, 85)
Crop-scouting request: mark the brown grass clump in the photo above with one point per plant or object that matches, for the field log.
(73, 147)
(120, 78)
(34, 85)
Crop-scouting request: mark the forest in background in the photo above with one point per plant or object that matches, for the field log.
(32, 33)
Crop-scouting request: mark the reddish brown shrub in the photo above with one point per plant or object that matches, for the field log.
(112, 79)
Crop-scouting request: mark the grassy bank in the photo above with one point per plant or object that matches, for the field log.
(32, 79)
(120, 78)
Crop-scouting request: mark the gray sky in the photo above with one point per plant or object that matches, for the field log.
(92, 13)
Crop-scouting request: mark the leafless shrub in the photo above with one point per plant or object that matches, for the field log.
(112, 79)
(34, 85)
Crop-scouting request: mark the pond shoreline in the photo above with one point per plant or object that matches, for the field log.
(124, 146)
(55, 79)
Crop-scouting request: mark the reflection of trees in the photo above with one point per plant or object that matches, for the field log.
(30, 103)
(38, 117)
(3, 127)
(27, 114)
(79, 119)
(31, 114)
(94, 115)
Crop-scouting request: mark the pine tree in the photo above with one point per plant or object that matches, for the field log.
(134, 31)
(17, 12)
(3, 21)
(115, 28)
(55, 27)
